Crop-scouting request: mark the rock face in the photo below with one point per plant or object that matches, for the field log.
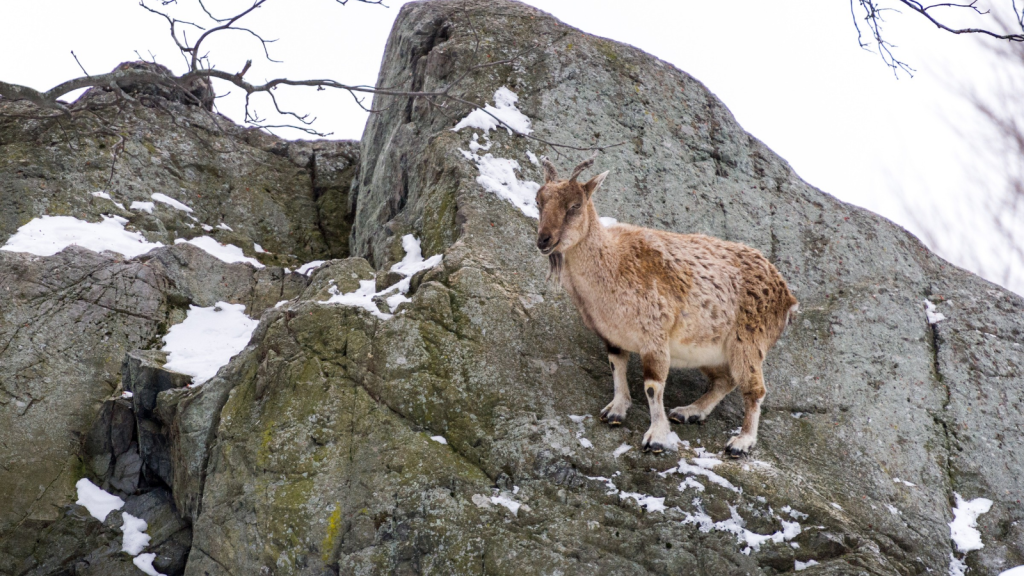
(318, 449)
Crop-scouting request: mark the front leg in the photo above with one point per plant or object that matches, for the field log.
(656, 366)
(615, 412)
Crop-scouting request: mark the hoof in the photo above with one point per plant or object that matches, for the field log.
(735, 453)
(612, 418)
(654, 447)
(679, 416)
(738, 446)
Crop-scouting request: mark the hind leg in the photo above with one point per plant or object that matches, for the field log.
(746, 371)
(658, 437)
(721, 385)
(615, 412)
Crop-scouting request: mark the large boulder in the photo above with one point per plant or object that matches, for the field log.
(323, 461)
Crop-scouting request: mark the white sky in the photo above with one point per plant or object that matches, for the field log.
(790, 70)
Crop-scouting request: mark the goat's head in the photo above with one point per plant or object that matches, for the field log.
(566, 215)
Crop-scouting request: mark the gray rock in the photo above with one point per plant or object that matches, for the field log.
(322, 459)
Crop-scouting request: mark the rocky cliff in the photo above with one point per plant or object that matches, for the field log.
(359, 433)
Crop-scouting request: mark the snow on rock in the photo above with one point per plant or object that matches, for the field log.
(165, 199)
(412, 263)
(584, 442)
(143, 206)
(533, 158)
(504, 110)
(207, 340)
(308, 267)
(699, 470)
(144, 562)
(1018, 571)
(735, 524)
(48, 235)
(224, 226)
(97, 501)
(225, 252)
(126, 394)
(135, 537)
(963, 529)
(503, 500)
(498, 175)
(578, 419)
(691, 482)
(904, 482)
(794, 513)
(650, 503)
(798, 565)
(102, 194)
(439, 439)
(933, 316)
(622, 449)
(957, 567)
(259, 249)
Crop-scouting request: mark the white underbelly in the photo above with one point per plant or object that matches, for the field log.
(696, 355)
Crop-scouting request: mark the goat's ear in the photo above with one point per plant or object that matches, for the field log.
(595, 183)
(550, 173)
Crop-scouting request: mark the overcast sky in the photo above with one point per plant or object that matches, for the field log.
(790, 70)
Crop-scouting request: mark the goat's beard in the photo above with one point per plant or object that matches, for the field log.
(556, 261)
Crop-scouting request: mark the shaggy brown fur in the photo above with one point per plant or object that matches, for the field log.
(677, 300)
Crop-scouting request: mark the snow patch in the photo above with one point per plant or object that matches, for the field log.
(308, 267)
(97, 501)
(498, 175)
(135, 537)
(650, 503)
(957, 567)
(48, 235)
(622, 449)
(933, 316)
(904, 482)
(143, 206)
(502, 500)
(798, 565)
(144, 562)
(504, 110)
(578, 419)
(584, 442)
(225, 252)
(207, 340)
(533, 158)
(695, 470)
(439, 439)
(1018, 571)
(224, 226)
(259, 249)
(691, 482)
(735, 524)
(170, 202)
(963, 529)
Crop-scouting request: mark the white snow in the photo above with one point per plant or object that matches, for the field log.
(439, 439)
(798, 565)
(794, 513)
(735, 524)
(170, 202)
(225, 252)
(892, 509)
(651, 503)
(102, 194)
(533, 158)
(281, 303)
(259, 249)
(1018, 571)
(412, 263)
(584, 442)
(836, 506)
(97, 501)
(224, 226)
(498, 175)
(308, 267)
(507, 502)
(504, 109)
(933, 316)
(963, 529)
(957, 567)
(622, 449)
(207, 340)
(126, 394)
(48, 235)
(360, 298)
(578, 419)
(144, 562)
(695, 470)
(143, 206)
(135, 537)
(607, 221)
(691, 482)
(904, 482)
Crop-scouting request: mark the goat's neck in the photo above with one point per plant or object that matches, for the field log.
(591, 258)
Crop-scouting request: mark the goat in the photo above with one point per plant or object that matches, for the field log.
(677, 300)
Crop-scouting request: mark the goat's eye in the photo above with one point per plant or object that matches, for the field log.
(574, 207)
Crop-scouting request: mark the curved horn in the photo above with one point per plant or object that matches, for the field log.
(581, 167)
(550, 172)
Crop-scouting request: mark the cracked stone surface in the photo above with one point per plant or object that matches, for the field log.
(312, 451)
(322, 460)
